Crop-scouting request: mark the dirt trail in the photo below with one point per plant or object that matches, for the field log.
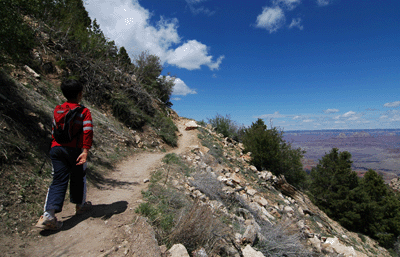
(95, 233)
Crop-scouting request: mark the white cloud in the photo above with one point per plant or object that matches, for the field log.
(296, 23)
(197, 10)
(392, 104)
(349, 114)
(129, 25)
(271, 19)
(323, 2)
(274, 115)
(395, 118)
(331, 111)
(176, 99)
(192, 55)
(308, 120)
(353, 118)
(181, 88)
(289, 4)
(296, 117)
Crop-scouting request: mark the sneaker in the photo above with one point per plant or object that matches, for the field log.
(49, 224)
(81, 209)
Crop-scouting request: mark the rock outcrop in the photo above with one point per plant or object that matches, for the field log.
(269, 198)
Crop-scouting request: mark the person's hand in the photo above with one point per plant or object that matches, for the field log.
(82, 157)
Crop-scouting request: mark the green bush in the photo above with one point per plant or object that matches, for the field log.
(126, 112)
(16, 37)
(226, 127)
(166, 129)
(364, 205)
(271, 152)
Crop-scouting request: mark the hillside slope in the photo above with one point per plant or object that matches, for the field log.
(248, 206)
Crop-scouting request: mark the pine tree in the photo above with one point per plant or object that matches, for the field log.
(271, 152)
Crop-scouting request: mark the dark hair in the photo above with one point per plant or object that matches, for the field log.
(71, 88)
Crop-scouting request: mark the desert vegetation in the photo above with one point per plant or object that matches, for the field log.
(364, 205)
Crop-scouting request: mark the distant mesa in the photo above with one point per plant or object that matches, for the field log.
(361, 134)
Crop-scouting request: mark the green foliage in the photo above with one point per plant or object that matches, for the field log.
(123, 56)
(174, 162)
(271, 152)
(202, 123)
(126, 112)
(363, 205)
(163, 205)
(226, 126)
(164, 88)
(148, 73)
(332, 181)
(16, 37)
(171, 158)
(166, 129)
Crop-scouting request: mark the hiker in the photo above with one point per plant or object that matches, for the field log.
(68, 156)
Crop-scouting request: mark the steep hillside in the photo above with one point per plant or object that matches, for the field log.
(25, 168)
(127, 112)
(248, 208)
(202, 191)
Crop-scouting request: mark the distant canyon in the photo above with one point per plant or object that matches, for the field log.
(377, 149)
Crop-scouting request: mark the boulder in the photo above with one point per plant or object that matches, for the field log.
(191, 125)
(32, 72)
(315, 243)
(347, 251)
(248, 251)
(250, 235)
(251, 191)
(178, 250)
(260, 200)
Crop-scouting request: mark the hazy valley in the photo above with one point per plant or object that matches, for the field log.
(377, 149)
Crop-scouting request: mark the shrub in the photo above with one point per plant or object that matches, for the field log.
(226, 127)
(199, 228)
(271, 152)
(177, 164)
(364, 205)
(208, 185)
(277, 241)
(166, 129)
(16, 37)
(163, 206)
(125, 111)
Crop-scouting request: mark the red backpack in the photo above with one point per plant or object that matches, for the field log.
(63, 123)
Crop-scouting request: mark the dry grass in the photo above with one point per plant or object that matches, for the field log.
(199, 228)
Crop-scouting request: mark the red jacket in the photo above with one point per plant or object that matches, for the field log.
(83, 121)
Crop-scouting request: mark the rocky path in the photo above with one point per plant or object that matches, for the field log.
(107, 229)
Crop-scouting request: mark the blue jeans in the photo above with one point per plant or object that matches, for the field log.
(65, 170)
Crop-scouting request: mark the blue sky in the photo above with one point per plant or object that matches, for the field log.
(302, 64)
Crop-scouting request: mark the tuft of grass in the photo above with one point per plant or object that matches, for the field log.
(199, 228)
(163, 205)
(279, 241)
(174, 162)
